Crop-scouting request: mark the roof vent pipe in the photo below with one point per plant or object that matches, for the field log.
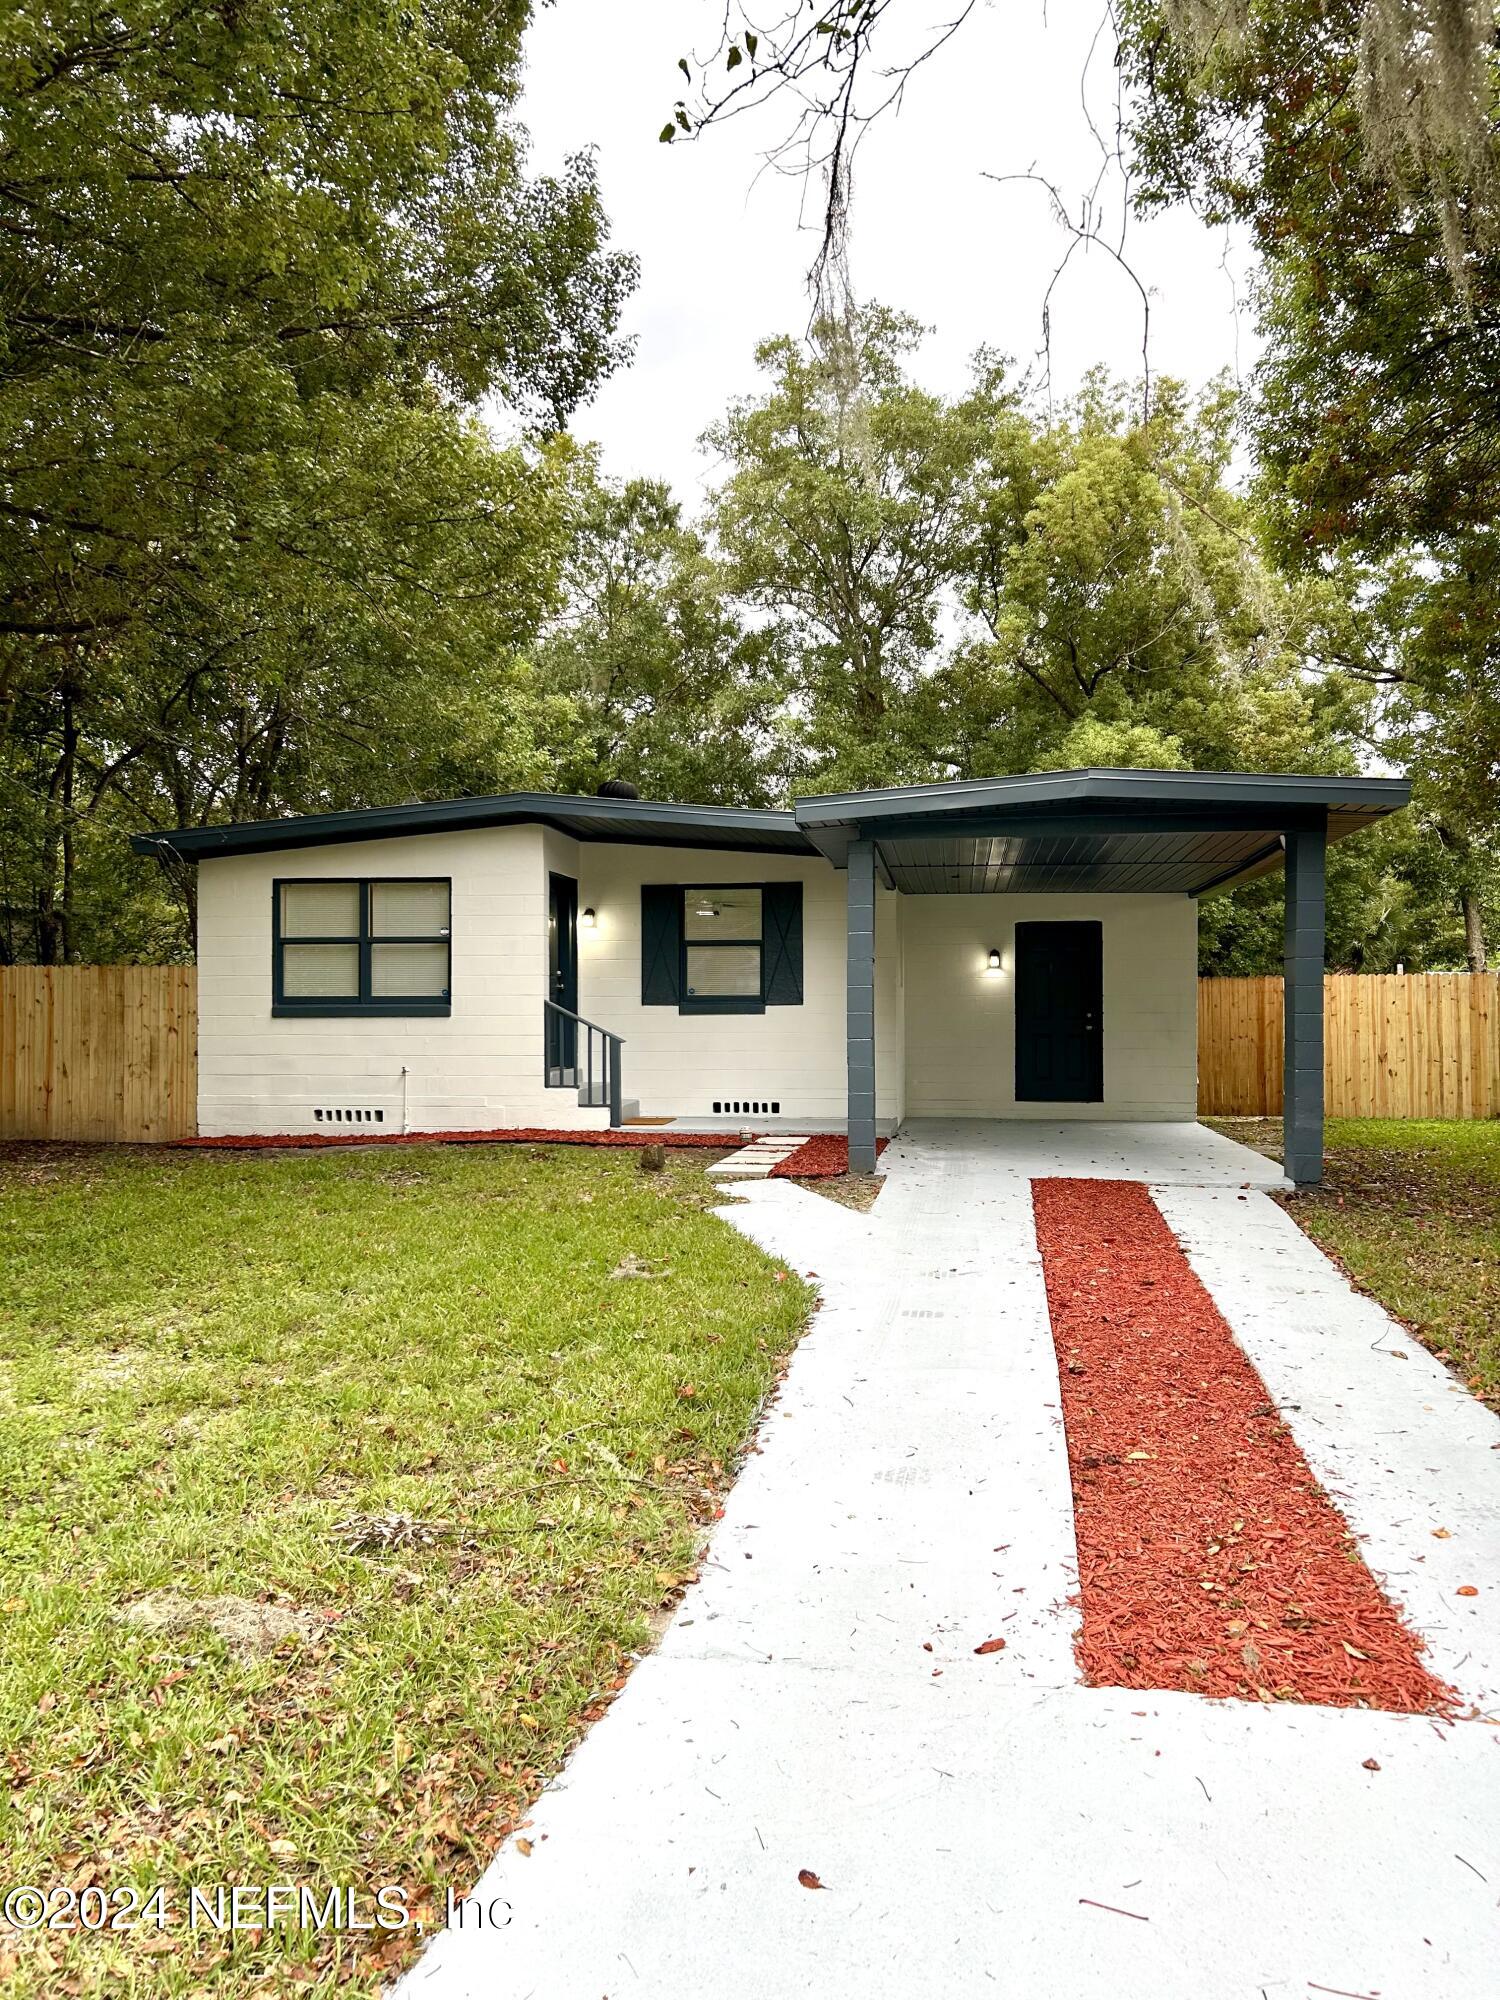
(617, 788)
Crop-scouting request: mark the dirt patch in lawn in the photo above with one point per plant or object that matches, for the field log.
(249, 1629)
(1209, 1558)
(857, 1191)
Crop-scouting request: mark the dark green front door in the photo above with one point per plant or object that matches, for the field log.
(562, 981)
(1059, 1013)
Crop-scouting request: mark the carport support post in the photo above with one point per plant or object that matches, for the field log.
(1302, 1096)
(861, 1000)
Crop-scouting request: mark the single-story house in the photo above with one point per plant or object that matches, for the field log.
(1018, 947)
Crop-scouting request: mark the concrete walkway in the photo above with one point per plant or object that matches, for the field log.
(981, 1822)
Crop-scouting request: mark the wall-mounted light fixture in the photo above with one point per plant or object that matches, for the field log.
(588, 920)
(993, 962)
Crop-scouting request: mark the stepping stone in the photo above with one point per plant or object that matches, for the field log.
(755, 1161)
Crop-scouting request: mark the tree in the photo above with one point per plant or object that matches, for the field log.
(1127, 610)
(377, 658)
(258, 261)
(844, 519)
(1377, 415)
(670, 686)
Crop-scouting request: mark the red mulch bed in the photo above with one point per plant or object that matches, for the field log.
(514, 1136)
(825, 1158)
(1209, 1559)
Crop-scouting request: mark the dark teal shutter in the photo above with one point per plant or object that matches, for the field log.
(781, 916)
(661, 944)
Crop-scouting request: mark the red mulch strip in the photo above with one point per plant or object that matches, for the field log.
(1209, 1558)
(524, 1135)
(825, 1158)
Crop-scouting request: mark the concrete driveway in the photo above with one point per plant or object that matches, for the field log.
(981, 1822)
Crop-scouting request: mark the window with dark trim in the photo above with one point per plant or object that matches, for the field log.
(721, 948)
(380, 946)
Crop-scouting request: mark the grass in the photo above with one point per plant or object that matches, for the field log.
(207, 1364)
(1411, 1208)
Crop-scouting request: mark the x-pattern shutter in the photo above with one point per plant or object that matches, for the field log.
(661, 944)
(781, 917)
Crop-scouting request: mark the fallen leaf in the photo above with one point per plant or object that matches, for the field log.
(284, 1850)
(1441, 1535)
(523, 1847)
(808, 1880)
(1353, 1651)
(991, 1646)
(1464, 1590)
(1370, 1764)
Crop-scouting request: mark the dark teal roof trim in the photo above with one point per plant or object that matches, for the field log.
(636, 821)
(1104, 787)
(1186, 832)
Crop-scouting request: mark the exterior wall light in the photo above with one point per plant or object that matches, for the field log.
(992, 963)
(588, 920)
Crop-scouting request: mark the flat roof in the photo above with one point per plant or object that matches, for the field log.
(1141, 832)
(1129, 832)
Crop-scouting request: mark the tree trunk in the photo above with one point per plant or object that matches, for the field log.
(1474, 943)
(67, 927)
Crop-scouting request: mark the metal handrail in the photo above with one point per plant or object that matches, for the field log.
(610, 1045)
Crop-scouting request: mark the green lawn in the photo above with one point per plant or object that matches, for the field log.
(208, 1363)
(1412, 1209)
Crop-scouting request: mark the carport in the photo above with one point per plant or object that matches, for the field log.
(1100, 832)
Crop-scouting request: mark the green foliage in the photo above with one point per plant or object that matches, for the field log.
(1393, 902)
(1377, 414)
(260, 262)
(1128, 613)
(845, 518)
(670, 687)
(983, 586)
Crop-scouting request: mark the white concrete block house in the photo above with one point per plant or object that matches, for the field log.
(1022, 947)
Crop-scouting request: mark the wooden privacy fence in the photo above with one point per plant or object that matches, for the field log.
(1396, 1045)
(111, 1051)
(98, 1051)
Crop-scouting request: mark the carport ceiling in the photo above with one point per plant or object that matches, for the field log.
(1128, 832)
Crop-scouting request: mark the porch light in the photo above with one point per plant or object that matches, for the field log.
(992, 963)
(588, 920)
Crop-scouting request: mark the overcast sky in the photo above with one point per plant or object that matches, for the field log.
(723, 261)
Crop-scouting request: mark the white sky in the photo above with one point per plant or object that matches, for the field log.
(723, 261)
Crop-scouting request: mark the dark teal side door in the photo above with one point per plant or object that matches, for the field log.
(1059, 1013)
(562, 984)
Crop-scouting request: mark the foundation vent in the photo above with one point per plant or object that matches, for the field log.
(349, 1114)
(757, 1106)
